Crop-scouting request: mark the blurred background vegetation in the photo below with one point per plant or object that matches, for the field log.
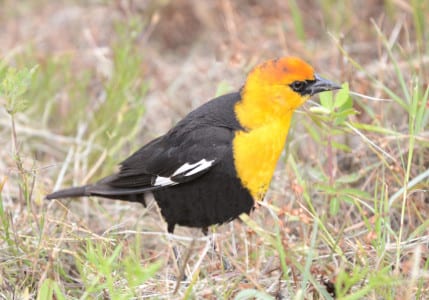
(85, 83)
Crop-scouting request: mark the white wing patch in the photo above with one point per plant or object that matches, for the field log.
(190, 169)
(185, 170)
(163, 181)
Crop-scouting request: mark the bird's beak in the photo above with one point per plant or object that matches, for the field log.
(321, 85)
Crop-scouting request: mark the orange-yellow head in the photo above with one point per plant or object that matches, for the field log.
(274, 89)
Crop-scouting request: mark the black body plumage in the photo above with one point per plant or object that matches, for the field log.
(190, 170)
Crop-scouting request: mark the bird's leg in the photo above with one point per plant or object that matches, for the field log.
(170, 227)
(176, 252)
(205, 231)
(177, 256)
(225, 262)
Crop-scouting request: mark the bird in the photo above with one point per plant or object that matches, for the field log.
(218, 161)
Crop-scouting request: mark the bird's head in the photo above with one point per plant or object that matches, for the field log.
(277, 87)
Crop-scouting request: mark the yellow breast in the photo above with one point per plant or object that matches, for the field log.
(256, 153)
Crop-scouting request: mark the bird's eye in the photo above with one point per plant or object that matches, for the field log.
(298, 86)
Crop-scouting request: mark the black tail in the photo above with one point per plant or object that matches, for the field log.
(71, 192)
(102, 190)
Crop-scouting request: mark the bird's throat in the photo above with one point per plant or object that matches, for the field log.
(256, 153)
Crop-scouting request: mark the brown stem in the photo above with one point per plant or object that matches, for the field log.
(17, 159)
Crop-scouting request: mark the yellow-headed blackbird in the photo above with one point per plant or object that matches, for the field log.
(217, 161)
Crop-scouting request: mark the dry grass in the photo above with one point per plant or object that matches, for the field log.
(348, 207)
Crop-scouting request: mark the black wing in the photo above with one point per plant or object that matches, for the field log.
(187, 151)
(175, 158)
(190, 149)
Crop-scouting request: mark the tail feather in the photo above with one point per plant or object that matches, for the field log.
(80, 191)
(105, 191)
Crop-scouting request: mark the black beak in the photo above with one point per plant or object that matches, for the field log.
(320, 84)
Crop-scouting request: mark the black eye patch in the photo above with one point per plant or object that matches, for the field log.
(301, 86)
(298, 86)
